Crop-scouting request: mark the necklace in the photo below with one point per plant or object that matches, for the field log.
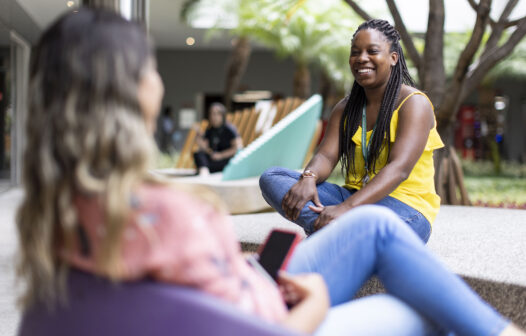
(366, 145)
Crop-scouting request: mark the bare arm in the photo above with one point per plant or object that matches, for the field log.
(321, 165)
(202, 142)
(308, 293)
(326, 157)
(235, 145)
(415, 120)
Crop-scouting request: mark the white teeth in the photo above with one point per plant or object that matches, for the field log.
(361, 71)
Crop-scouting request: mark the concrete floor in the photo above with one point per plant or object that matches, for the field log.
(9, 315)
(478, 242)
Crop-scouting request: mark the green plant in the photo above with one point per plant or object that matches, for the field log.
(309, 31)
(505, 188)
(502, 192)
(165, 160)
(487, 169)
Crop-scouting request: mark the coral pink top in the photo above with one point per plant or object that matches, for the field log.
(174, 237)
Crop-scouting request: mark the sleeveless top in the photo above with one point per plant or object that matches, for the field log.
(418, 191)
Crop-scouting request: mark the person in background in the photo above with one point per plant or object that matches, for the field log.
(165, 130)
(218, 144)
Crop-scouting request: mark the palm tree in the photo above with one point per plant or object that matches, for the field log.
(224, 14)
(311, 32)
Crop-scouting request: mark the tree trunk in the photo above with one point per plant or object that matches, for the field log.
(301, 84)
(433, 78)
(236, 67)
(467, 77)
(331, 94)
(456, 91)
(449, 178)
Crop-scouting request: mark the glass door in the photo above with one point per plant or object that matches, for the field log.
(20, 51)
(14, 67)
(5, 108)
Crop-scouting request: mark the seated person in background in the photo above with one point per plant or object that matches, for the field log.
(219, 144)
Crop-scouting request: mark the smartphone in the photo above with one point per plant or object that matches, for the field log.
(275, 252)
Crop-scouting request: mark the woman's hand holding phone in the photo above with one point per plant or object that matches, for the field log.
(308, 295)
(296, 288)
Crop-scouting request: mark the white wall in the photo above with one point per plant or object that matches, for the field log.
(186, 73)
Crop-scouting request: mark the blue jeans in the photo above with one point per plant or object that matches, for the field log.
(275, 182)
(372, 240)
(378, 315)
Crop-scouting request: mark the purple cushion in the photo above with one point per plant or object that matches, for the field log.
(98, 307)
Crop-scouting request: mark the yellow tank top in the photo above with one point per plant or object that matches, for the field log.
(418, 191)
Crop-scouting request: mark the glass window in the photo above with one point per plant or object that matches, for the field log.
(5, 108)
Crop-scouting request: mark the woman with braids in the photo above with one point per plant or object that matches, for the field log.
(383, 132)
(90, 203)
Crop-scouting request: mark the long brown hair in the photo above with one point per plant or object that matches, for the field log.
(85, 134)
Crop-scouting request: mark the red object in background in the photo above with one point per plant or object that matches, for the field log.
(323, 127)
(1, 96)
(465, 131)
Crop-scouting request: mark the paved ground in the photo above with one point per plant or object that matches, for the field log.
(478, 243)
(8, 312)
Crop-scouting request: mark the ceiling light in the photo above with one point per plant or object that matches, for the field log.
(70, 3)
(190, 41)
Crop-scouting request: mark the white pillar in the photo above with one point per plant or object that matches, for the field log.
(135, 10)
(20, 52)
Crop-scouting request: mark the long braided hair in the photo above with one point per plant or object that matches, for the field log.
(351, 117)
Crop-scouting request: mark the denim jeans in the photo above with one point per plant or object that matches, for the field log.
(372, 240)
(378, 315)
(275, 182)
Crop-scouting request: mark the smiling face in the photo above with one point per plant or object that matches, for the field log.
(371, 58)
